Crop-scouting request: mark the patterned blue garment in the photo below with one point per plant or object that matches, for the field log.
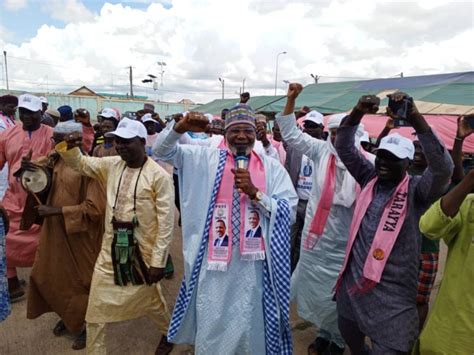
(4, 295)
(267, 280)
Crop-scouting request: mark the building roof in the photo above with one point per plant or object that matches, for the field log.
(84, 91)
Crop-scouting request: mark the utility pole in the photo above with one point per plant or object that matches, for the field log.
(131, 82)
(6, 69)
(222, 82)
(316, 78)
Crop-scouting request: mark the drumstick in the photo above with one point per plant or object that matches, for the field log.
(36, 197)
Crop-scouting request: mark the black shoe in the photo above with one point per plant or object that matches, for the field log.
(80, 341)
(59, 329)
(335, 350)
(16, 288)
(164, 347)
(318, 347)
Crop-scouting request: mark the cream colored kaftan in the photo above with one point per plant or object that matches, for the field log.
(155, 212)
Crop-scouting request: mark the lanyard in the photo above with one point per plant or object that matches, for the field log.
(134, 192)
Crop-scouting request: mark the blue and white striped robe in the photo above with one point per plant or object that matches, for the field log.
(246, 309)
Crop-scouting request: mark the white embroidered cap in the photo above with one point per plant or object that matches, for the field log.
(398, 145)
(109, 113)
(314, 116)
(147, 118)
(30, 102)
(128, 129)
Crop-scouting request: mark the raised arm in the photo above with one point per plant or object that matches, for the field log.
(443, 219)
(166, 145)
(96, 168)
(435, 178)
(357, 164)
(389, 125)
(293, 136)
(463, 131)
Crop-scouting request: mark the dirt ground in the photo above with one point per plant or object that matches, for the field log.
(20, 336)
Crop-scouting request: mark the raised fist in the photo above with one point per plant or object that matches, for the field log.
(294, 89)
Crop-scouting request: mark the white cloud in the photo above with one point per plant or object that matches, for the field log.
(201, 40)
(15, 5)
(67, 10)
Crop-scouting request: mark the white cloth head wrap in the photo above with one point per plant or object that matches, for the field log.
(68, 127)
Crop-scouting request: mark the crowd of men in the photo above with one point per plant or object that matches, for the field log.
(314, 212)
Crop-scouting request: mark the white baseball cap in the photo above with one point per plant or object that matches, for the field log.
(109, 113)
(398, 145)
(43, 99)
(147, 118)
(314, 116)
(30, 102)
(128, 129)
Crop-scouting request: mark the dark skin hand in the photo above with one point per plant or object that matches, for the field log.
(83, 116)
(414, 117)
(156, 274)
(26, 163)
(193, 122)
(48, 211)
(243, 183)
(262, 133)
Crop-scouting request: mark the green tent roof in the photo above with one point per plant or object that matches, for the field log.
(453, 89)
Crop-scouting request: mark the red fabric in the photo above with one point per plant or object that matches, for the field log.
(15, 143)
(445, 127)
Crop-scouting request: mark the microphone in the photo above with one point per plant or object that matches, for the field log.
(241, 160)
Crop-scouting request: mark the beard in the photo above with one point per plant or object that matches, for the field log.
(237, 150)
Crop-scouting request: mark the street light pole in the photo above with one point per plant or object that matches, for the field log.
(161, 64)
(316, 78)
(276, 71)
(222, 82)
(6, 69)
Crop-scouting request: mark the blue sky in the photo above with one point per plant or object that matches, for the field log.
(21, 25)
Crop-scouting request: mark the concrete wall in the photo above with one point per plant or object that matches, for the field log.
(96, 104)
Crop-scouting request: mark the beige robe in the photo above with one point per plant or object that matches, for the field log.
(68, 248)
(155, 212)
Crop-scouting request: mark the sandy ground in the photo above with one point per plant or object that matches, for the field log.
(20, 336)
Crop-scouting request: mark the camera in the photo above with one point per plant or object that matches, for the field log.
(470, 120)
(401, 108)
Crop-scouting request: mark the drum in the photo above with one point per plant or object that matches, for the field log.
(36, 181)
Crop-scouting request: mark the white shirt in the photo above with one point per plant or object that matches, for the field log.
(305, 179)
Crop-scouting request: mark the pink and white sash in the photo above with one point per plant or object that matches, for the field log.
(320, 218)
(252, 244)
(386, 235)
(280, 149)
